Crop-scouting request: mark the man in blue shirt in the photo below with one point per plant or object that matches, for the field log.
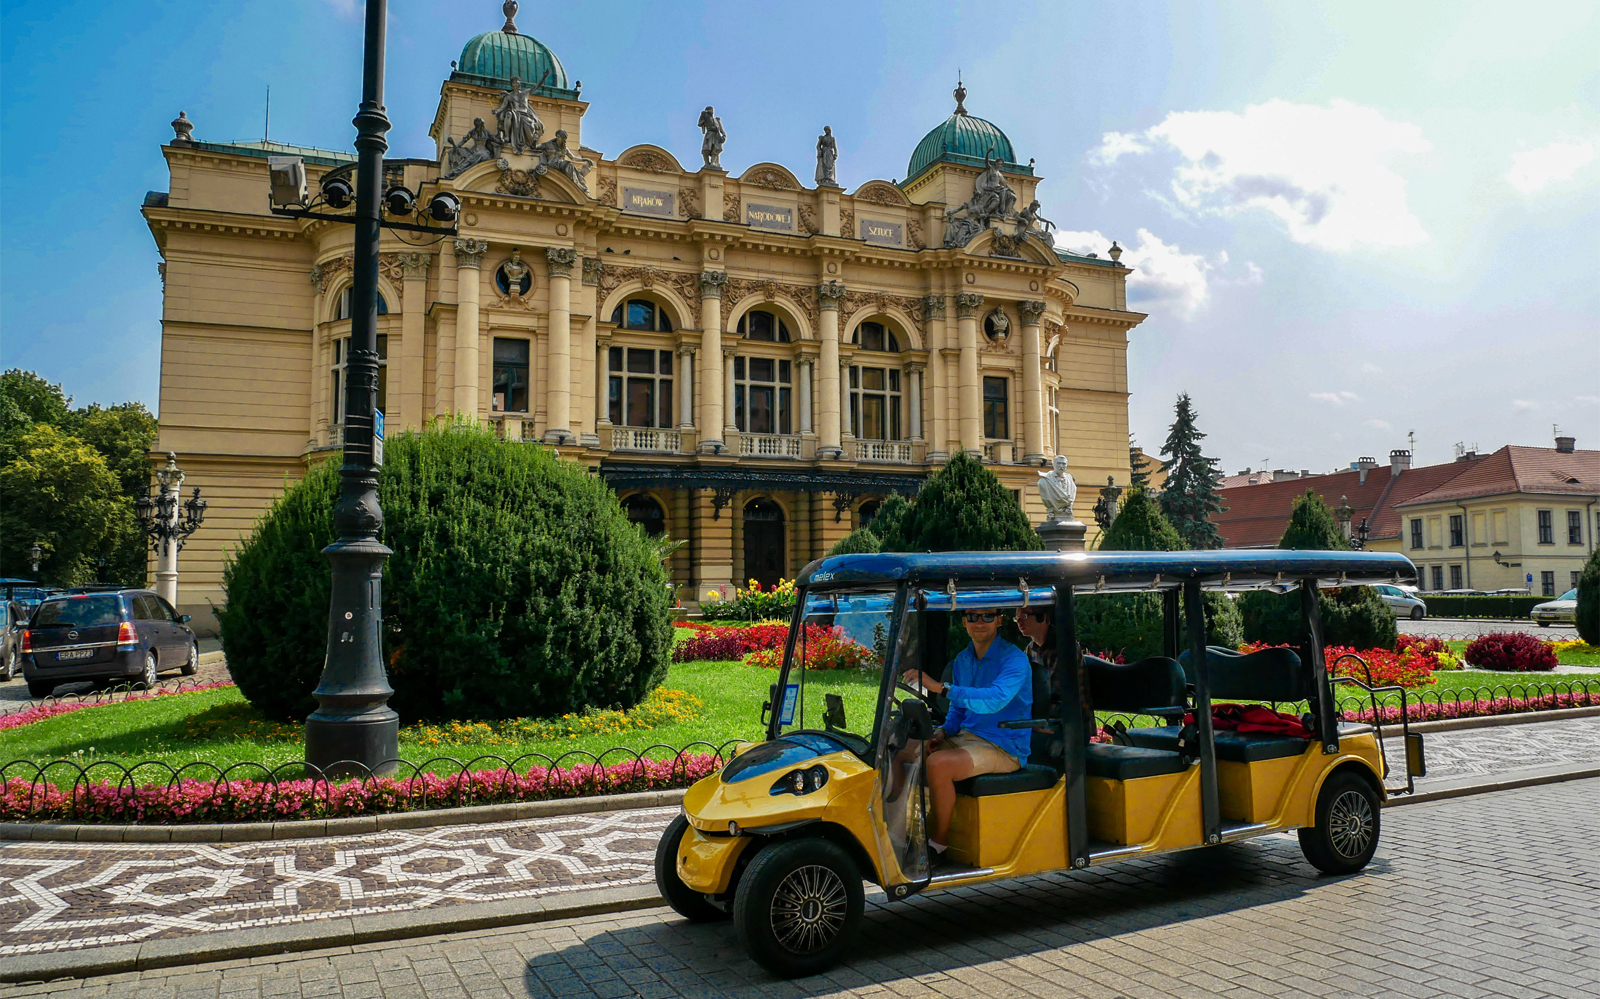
(990, 682)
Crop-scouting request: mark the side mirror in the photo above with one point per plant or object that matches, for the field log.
(1416, 760)
(184, 618)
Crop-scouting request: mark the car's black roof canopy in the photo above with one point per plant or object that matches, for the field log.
(1228, 569)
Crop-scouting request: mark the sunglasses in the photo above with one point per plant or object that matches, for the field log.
(988, 617)
(1039, 616)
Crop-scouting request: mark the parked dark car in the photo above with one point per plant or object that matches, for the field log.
(13, 618)
(129, 634)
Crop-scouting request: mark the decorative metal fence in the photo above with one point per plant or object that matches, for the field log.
(105, 695)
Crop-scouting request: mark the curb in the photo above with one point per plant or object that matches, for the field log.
(322, 934)
(1490, 721)
(338, 932)
(243, 832)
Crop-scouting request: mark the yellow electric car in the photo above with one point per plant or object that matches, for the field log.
(782, 839)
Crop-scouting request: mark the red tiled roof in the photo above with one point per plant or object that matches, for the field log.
(1515, 469)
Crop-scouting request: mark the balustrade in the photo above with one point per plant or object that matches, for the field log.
(644, 439)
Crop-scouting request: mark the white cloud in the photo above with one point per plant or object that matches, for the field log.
(1523, 404)
(1336, 398)
(1379, 424)
(1533, 170)
(1163, 275)
(1327, 174)
(344, 8)
(1368, 368)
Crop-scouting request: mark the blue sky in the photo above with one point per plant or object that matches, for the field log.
(1348, 221)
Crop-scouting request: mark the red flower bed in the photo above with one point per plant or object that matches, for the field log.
(1513, 651)
(730, 642)
(201, 800)
(1416, 643)
(1414, 668)
(823, 648)
(709, 647)
(1429, 711)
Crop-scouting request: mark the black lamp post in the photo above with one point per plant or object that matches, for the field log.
(353, 730)
(37, 556)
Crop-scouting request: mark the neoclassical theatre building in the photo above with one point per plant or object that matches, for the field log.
(751, 361)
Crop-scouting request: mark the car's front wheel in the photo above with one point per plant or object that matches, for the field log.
(151, 676)
(10, 671)
(1416, 613)
(1346, 832)
(191, 666)
(798, 906)
(685, 901)
(1544, 624)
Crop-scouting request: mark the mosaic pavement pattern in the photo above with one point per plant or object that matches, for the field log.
(73, 895)
(1500, 749)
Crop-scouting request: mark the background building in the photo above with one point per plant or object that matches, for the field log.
(752, 362)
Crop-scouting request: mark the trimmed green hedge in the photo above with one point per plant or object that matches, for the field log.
(1465, 606)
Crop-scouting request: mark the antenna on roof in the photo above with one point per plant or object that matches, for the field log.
(1411, 442)
(266, 126)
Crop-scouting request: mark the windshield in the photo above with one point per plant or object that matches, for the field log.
(833, 678)
(1571, 594)
(100, 611)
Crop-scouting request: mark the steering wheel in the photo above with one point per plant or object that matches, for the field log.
(913, 691)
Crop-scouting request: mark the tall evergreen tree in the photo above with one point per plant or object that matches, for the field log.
(1189, 497)
(1140, 527)
(1138, 464)
(1312, 526)
(963, 507)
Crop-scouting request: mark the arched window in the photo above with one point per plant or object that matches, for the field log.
(647, 513)
(876, 336)
(762, 325)
(866, 512)
(642, 314)
(763, 541)
(763, 395)
(341, 359)
(343, 310)
(641, 387)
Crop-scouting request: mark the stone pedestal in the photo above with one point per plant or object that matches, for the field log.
(1062, 535)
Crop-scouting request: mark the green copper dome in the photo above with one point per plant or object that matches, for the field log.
(494, 57)
(963, 138)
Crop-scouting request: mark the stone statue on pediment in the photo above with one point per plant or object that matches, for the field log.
(827, 159)
(555, 154)
(478, 146)
(713, 136)
(1031, 223)
(992, 200)
(520, 128)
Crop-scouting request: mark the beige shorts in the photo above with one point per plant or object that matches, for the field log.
(987, 758)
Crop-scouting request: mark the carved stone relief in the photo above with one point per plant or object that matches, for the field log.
(847, 224)
(808, 220)
(731, 209)
(648, 159)
(686, 285)
(967, 304)
(879, 301)
(521, 183)
(608, 191)
(933, 306)
(591, 271)
(688, 202)
(881, 194)
(802, 299)
(770, 179)
(914, 234)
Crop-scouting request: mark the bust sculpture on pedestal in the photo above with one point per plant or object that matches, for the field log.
(1060, 530)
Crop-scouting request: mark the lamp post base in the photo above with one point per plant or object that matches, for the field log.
(341, 745)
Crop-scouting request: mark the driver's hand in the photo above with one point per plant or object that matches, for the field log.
(918, 678)
(936, 739)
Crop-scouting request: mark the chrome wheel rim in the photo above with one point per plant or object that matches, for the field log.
(1351, 825)
(808, 909)
(150, 675)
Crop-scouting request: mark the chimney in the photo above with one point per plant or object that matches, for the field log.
(1305, 473)
(1365, 464)
(1399, 461)
(1566, 445)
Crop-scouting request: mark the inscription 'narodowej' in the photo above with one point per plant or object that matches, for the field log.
(884, 233)
(769, 217)
(648, 202)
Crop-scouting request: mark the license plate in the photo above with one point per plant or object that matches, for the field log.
(71, 654)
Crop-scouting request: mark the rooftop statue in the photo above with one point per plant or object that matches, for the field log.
(477, 146)
(1031, 223)
(992, 200)
(520, 128)
(827, 159)
(1058, 491)
(713, 137)
(554, 154)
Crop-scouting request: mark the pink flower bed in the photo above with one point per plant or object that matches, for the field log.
(726, 643)
(43, 711)
(201, 800)
(1429, 711)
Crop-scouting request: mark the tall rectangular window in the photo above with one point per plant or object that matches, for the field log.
(1547, 531)
(1574, 527)
(341, 361)
(1457, 531)
(875, 403)
(641, 387)
(1438, 577)
(510, 376)
(763, 395)
(1547, 583)
(1416, 532)
(1576, 575)
(996, 421)
(1455, 577)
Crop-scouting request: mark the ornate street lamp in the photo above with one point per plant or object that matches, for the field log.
(1344, 512)
(353, 730)
(166, 527)
(37, 553)
(1362, 533)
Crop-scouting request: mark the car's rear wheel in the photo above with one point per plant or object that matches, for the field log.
(1416, 613)
(10, 670)
(191, 666)
(40, 688)
(798, 906)
(151, 676)
(1346, 834)
(685, 901)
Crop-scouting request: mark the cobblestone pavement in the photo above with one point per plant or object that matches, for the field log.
(1489, 896)
(1455, 628)
(71, 896)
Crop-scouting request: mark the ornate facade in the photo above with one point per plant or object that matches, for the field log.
(750, 362)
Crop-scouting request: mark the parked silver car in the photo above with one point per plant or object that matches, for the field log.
(1403, 601)
(1561, 610)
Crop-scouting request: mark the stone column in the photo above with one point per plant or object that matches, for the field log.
(913, 378)
(847, 427)
(684, 379)
(469, 260)
(1032, 384)
(971, 388)
(938, 404)
(588, 360)
(413, 321)
(558, 404)
(710, 422)
(804, 364)
(729, 415)
(602, 382)
(828, 392)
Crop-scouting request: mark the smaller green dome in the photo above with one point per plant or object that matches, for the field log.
(494, 57)
(963, 138)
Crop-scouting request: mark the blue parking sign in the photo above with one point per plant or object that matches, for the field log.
(377, 437)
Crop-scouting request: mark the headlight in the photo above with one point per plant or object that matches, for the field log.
(802, 781)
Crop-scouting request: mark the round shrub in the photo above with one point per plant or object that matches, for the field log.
(1589, 600)
(963, 507)
(860, 541)
(1353, 616)
(1512, 652)
(517, 587)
